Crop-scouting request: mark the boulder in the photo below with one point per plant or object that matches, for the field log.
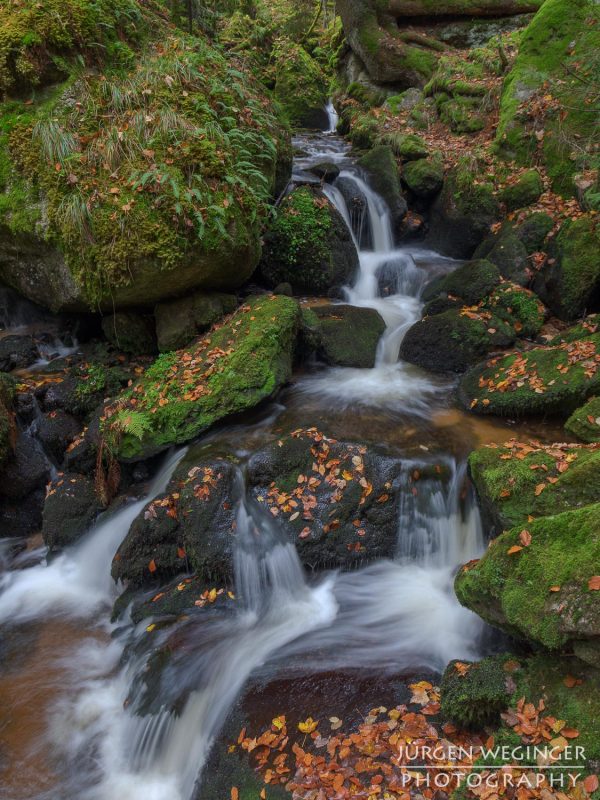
(520, 480)
(470, 282)
(424, 177)
(180, 321)
(191, 525)
(343, 335)
(462, 213)
(337, 501)
(384, 178)
(22, 517)
(232, 368)
(309, 245)
(17, 352)
(26, 469)
(524, 192)
(406, 146)
(584, 422)
(570, 285)
(71, 506)
(300, 86)
(356, 203)
(327, 171)
(130, 332)
(508, 253)
(56, 431)
(543, 380)
(7, 423)
(536, 585)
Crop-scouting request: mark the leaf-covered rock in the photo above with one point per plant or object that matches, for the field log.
(584, 422)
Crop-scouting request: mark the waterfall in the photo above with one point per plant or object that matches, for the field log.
(332, 116)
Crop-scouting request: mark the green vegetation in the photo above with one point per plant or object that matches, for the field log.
(524, 192)
(474, 695)
(234, 367)
(584, 422)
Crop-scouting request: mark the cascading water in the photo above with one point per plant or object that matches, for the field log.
(394, 615)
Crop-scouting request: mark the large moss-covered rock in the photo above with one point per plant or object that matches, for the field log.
(524, 192)
(234, 367)
(548, 100)
(474, 694)
(539, 591)
(462, 213)
(155, 184)
(510, 247)
(342, 335)
(552, 380)
(179, 321)
(570, 285)
(301, 86)
(470, 282)
(584, 422)
(380, 165)
(70, 508)
(309, 245)
(133, 333)
(520, 480)
(424, 177)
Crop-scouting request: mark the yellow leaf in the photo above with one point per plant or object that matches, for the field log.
(308, 726)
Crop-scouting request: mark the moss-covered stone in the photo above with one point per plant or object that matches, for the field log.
(309, 245)
(424, 177)
(548, 105)
(506, 250)
(524, 192)
(584, 422)
(132, 333)
(474, 694)
(518, 307)
(406, 146)
(553, 380)
(70, 508)
(540, 592)
(519, 480)
(301, 86)
(234, 367)
(570, 285)
(155, 184)
(471, 282)
(179, 321)
(341, 335)
(380, 165)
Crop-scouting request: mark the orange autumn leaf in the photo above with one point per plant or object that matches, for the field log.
(591, 783)
(539, 489)
(525, 538)
(514, 549)
(152, 566)
(235, 794)
(594, 583)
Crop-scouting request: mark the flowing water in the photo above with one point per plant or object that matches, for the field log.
(95, 739)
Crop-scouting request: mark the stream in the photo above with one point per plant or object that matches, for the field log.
(71, 729)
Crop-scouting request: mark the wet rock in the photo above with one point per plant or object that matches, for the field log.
(356, 203)
(130, 332)
(338, 502)
(412, 226)
(56, 431)
(543, 380)
(327, 171)
(569, 284)
(540, 592)
(7, 424)
(26, 469)
(17, 352)
(231, 369)
(584, 423)
(22, 517)
(179, 321)
(343, 335)
(191, 525)
(384, 178)
(71, 507)
(471, 282)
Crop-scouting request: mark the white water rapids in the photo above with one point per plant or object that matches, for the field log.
(392, 615)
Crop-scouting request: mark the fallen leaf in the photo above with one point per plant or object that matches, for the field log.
(594, 583)
(514, 549)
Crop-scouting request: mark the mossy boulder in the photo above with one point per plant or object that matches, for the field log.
(543, 380)
(179, 321)
(190, 526)
(522, 480)
(548, 106)
(343, 335)
(130, 332)
(454, 340)
(473, 695)
(584, 422)
(470, 282)
(517, 306)
(506, 250)
(524, 192)
(463, 212)
(424, 177)
(570, 285)
(232, 368)
(300, 85)
(336, 501)
(540, 591)
(17, 351)
(156, 185)
(384, 178)
(406, 146)
(309, 245)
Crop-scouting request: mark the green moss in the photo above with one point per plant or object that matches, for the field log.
(232, 368)
(471, 281)
(406, 146)
(384, 177)
(301, 228)
(513, 591)
(578, 253)
(519, 307)
(551, 380)
(424, 177)
(507, 481)
(584, 423)
(363, 131)
(301, 86)
(475, 698)
(343, 335)
(524, 192)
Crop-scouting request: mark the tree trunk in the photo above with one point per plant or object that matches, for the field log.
(471, 8)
